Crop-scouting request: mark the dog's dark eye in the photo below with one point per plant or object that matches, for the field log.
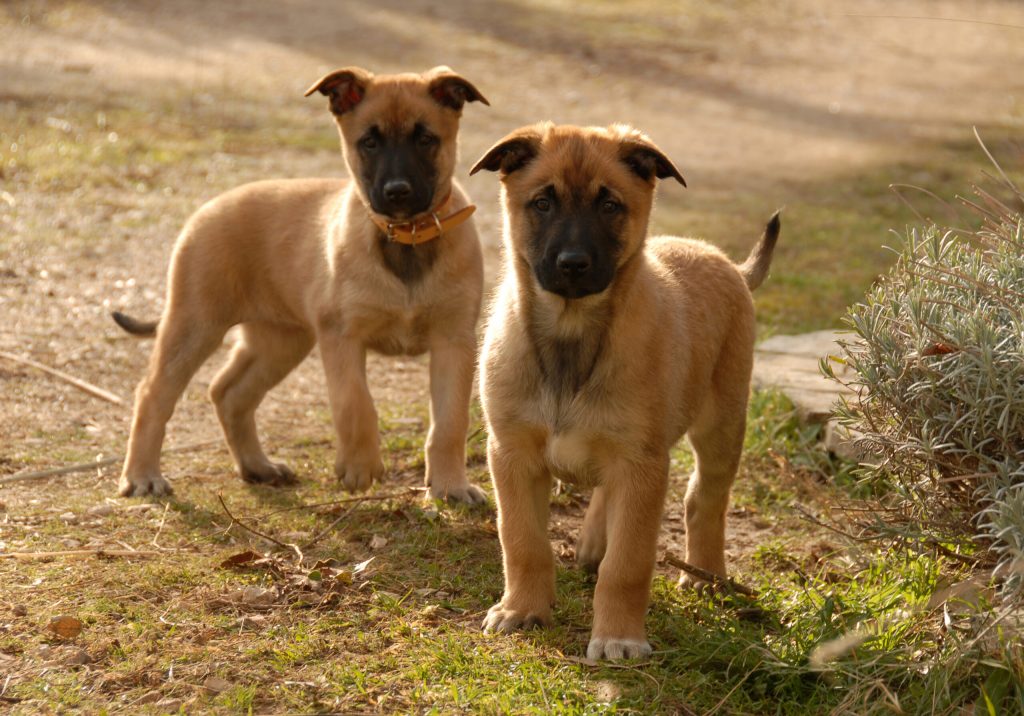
(611, 207)
(426, 140)
(368, 143)
(542, 204)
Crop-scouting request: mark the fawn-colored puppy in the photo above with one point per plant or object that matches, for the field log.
(604, 348)
(386, 261)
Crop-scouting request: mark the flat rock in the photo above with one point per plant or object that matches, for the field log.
(789, 364)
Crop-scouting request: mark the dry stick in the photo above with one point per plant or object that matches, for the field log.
(83, 553)
(320, 535)
(247, 528)
(346, 500)
(83, 467)
(709, 576)
(82, 385)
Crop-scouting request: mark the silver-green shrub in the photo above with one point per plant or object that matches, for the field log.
(937, 359)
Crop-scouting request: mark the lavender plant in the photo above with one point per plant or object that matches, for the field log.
(937, 356)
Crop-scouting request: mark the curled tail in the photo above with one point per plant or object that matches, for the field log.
(143, 329)
(755, 268)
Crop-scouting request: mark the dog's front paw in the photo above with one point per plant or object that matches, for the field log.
(271, 473)
(139, 486)
(466, 494)
(506, 620)
(357, 476)
(600, 648)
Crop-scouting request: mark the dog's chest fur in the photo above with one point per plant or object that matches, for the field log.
(409, 264)
(567, 396)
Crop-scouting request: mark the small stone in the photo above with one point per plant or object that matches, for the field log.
(20, 610)
(169, 706)
(148, 698)
(139, 509)
(99, 510)
(257, 596)
(68, 518)
(71, 543)
(76, 656)
(216, 685)
(378, 542)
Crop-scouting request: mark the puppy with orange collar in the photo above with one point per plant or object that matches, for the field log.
(603, 348)
(387, 261)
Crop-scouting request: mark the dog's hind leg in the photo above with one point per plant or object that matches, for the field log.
(594, 534)
(182, 344)
(717, 440)
(261, 359)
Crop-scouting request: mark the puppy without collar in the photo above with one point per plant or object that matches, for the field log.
(602, 349)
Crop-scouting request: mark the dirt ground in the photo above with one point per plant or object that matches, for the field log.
(117, 119)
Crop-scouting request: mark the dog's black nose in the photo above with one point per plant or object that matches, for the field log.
(572, 263)
(397, 189)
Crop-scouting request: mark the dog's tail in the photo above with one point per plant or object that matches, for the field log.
(142, 329)
(755, 268)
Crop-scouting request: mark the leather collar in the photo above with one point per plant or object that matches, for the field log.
(426, 227)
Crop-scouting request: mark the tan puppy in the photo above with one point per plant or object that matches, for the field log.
(337, 263)
(603, 349)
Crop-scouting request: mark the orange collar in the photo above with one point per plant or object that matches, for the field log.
(426, 228)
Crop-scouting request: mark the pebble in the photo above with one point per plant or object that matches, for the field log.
(76, 656)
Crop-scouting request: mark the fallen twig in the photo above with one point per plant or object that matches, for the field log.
(319, 535)
(345, 500)
(80, 553)
(719, 582)
(85, 466)
(247, 528)
(82, 385)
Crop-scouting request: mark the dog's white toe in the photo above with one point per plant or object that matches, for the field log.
(153, 484)
(505, 621)
(618, 649)
(466, 494)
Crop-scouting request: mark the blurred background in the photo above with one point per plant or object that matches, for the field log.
(118, 119)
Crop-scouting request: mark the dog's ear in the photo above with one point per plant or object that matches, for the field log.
(513, 152)
(345, 88)
(452, 90)
(645, 160)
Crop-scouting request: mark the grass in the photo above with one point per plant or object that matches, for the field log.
(403, 634)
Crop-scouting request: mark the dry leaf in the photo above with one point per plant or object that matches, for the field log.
(65, 627)
(237, 560)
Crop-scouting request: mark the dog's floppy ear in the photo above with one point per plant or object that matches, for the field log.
(345, 88)
(513, 152)
(645, 160)
(451, 89)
